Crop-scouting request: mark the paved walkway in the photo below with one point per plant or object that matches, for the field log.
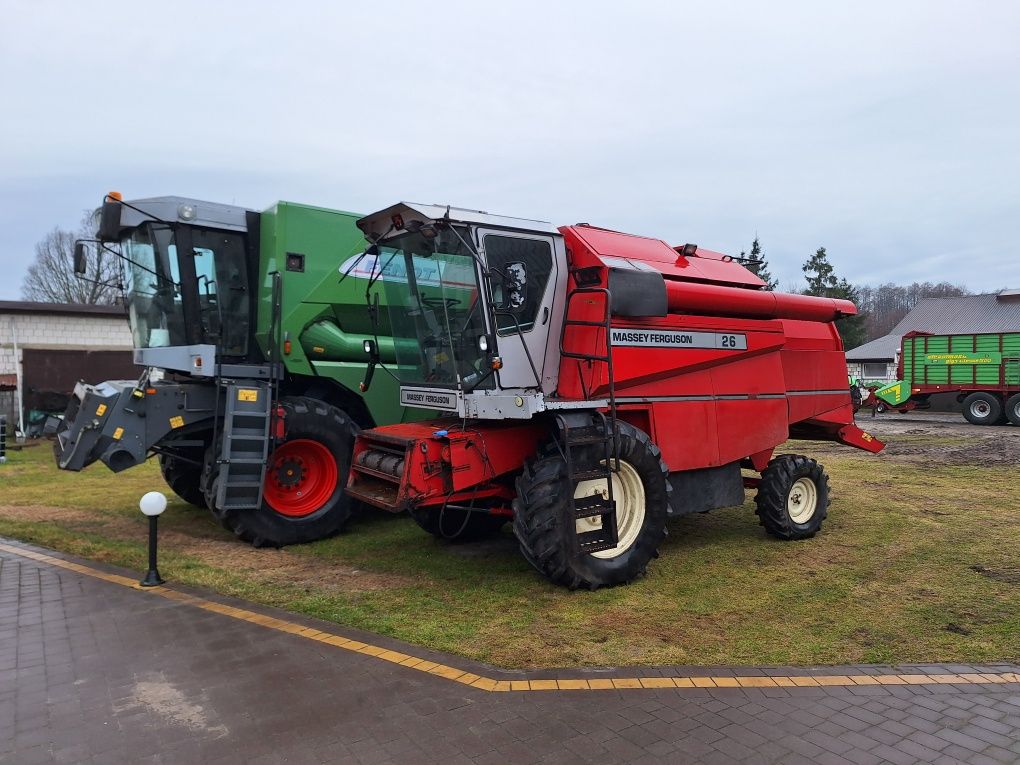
(93, 671)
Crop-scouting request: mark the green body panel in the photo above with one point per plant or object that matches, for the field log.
(320, 311)
(894, 394)
(972, 360)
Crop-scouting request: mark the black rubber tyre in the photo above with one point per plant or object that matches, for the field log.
(458, 526)
(306, 418)
(779, 480)
(184, 479)
(1013, 409)
(982, 409)
(541, 512)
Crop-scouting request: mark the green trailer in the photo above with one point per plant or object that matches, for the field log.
(252, 335)
(983, 369)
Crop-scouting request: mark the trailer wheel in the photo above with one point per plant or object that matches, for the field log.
(455, 525)
(793, 497)
(184, 479)
(1013, 409)
(542, 509)
(303, 497)
(982, 409)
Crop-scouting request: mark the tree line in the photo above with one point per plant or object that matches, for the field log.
(51, 279)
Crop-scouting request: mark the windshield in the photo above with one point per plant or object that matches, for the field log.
(158, 293)
(428, 290)
(152, 293)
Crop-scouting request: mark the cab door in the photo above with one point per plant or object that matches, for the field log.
(522, 321)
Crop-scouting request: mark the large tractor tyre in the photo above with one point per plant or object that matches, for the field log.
(982, 409)
(1013, 409)
(542, 509)
(793, 497)
(456, 525)
(303, 498)
(184, 479)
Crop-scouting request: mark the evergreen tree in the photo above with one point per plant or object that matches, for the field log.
(762, 268)
(823, 282)
(821, 277)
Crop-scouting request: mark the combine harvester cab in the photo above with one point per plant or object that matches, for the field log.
(248, 388)
(595, 384)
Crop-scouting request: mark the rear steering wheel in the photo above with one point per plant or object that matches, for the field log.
(440, 302)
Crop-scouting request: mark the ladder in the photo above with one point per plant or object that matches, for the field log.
(244, 444)
(589, 428)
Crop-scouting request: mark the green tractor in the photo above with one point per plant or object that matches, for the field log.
(253, 335)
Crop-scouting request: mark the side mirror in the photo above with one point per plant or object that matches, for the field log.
(80, 258)
(109, 221)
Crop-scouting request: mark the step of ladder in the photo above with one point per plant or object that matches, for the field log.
(244, 445)
(595, 431)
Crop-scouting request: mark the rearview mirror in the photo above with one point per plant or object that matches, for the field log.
(109, 221)
(80, 257)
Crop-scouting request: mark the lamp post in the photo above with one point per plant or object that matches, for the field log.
(152, 504)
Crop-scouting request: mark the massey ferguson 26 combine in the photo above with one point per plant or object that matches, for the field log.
(597, 384)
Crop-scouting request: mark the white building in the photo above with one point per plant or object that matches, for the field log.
(46, 347)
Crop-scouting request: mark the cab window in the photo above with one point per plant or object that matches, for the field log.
(536, 257)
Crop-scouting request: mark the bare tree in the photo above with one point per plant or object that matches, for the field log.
(886, 304)
(51, 277)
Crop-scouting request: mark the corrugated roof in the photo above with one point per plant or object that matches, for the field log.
(27, 306)
(993, 312)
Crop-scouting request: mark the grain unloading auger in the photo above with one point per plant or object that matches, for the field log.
(596, 384)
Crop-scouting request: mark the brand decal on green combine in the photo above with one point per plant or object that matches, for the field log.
(672, 338)
(963, 358)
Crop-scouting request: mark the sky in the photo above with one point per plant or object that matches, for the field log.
(888, 133)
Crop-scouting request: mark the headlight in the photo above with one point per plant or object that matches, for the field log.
(369, 346)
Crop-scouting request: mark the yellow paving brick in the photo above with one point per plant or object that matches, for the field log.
(864, 680)
(804, 681)
(600, 684)
(468, 678)
(915, 679)
(520, 685)
(485, 684)
(683, 682)
(543, 685)
(626, 682)
(971, 677)
(393, 656)
(703, 682)
(657, 682)
(947, 679)
(425, 666)
(371, 650)
(833, 680)
(338, 641)
(412, 661)
(502, 685)
(756, 682)
(726, 682)
(783, 681)
(573, 685)
(450, 673)
(890, 680)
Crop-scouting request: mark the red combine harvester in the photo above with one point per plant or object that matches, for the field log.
(597, 384)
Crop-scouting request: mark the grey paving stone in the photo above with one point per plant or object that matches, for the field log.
(98, 673)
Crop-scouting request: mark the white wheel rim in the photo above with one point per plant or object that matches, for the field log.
(802, 501)
(980, 409)
(629, 495)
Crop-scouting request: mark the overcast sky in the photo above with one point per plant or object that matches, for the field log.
(887, 132)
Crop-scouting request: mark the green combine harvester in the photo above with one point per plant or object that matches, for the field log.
(254, 334)
(982, 369)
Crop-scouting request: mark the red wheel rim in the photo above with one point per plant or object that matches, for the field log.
(301, 477)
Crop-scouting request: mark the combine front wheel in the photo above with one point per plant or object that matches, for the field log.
(542, 514)
(457, 525)
(303, 497)
(793, 497)
(184, 478)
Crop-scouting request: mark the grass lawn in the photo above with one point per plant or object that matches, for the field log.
(918, 562)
